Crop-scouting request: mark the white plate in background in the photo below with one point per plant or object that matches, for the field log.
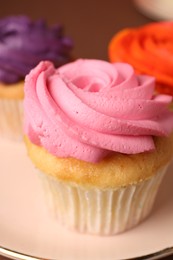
(156, 9)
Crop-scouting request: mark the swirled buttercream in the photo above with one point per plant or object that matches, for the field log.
(149, 49)
(24, 43)
(88, 108)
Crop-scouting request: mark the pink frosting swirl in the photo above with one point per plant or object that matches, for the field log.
(89, 108)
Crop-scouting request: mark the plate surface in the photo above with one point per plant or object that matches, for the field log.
(26, 226)
(156, 9)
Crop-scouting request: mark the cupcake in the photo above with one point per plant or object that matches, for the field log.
(24, 43)
(101, 141)
(149, 49)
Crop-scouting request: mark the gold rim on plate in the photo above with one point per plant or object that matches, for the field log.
(16, 255)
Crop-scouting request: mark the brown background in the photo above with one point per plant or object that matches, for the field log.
(90, 23)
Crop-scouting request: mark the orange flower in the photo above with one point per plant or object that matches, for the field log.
(149, 49)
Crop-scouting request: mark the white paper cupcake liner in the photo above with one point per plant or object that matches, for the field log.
(98, 211)
(11, 119)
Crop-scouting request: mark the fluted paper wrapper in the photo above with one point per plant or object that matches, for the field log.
(11, 119)
(98, 211)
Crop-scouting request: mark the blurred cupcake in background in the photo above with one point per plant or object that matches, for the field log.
(149, 49)
(23, 44)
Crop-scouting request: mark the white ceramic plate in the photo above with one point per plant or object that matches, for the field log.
(26, 229)
(156, 9)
